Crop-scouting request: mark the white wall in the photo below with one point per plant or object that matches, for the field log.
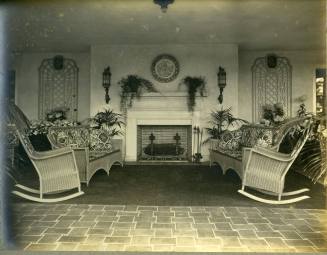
(303, 65)
(27, 81)
(194, 60)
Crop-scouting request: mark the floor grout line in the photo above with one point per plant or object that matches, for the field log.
(210, 231)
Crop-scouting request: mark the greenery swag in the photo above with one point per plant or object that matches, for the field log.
(193, 84)
(133, 86)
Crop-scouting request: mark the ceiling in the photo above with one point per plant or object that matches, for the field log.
(253, 24)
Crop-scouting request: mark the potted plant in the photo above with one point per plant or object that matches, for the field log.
(273, 114)
(57, 114)
(221, 120)
(193, 84)
(133, 86)
(108, 120)
(302, 111)
(279, 113)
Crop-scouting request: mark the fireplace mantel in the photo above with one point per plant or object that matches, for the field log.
(170, 94)
(172, 101)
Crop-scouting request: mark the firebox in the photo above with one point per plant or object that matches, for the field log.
(164, 142)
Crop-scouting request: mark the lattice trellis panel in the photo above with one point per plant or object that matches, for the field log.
(271, 85)
(58, 88)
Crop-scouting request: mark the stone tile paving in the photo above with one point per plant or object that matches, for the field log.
(45, 227)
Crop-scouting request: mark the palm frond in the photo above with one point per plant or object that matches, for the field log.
(312, 159)
(109, 120)
(220, 118)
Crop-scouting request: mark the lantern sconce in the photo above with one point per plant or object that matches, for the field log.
(106, 76)
(221, 75)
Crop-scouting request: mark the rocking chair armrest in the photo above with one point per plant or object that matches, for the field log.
(84, 150)
(80, 148)
(271, 154)
(247, 148)
(51, 153)
(268, 150)
(246, 151)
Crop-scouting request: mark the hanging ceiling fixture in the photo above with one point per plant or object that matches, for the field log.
(163, 4)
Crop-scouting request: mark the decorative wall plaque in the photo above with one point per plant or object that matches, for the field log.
(165, 68)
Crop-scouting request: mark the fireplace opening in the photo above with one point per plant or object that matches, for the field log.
(164, 142)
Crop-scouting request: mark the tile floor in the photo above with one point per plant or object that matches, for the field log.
(83, 227)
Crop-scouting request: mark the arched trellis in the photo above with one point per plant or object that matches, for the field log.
(271, 85)
(58, 87)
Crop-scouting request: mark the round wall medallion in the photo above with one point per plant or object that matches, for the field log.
(165, 68)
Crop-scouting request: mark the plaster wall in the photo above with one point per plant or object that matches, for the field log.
(194, 60)
(26, 66)
(303, 65)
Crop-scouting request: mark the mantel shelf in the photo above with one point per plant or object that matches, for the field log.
(170, 94)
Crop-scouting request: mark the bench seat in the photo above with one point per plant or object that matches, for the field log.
(94, 148)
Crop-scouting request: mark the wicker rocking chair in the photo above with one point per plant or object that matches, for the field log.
(57, 172)
(56, 169)
(265, 169)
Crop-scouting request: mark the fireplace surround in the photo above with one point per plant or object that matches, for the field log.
(164, 142)
(178, 120)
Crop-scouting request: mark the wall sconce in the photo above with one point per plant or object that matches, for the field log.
(163, 4)
(221, 83)
(106, 76)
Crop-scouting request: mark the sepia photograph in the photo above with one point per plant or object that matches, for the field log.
(163, 126)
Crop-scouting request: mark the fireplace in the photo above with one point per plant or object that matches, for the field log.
(164, 142)
(154, 115)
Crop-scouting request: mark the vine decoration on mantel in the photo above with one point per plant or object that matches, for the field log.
(133, 86)
(193, 84)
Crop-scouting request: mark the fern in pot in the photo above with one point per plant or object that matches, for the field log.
(132, 87)
(194, 85)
